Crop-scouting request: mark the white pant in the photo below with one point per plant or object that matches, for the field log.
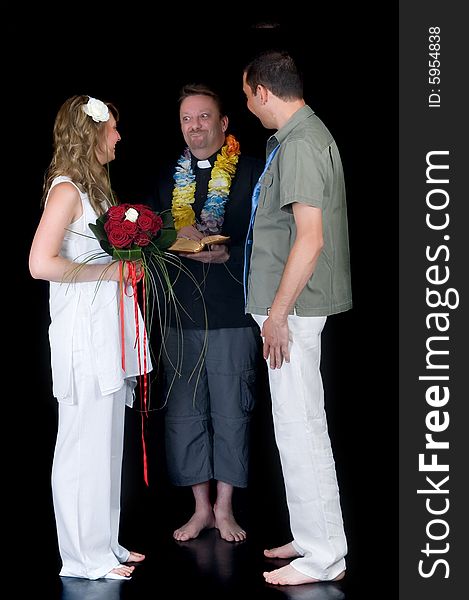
(305, 453)
(86, 481)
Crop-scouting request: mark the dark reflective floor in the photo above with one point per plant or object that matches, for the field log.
(207, 567)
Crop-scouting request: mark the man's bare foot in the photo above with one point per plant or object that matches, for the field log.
(288, 575)
(287, 551)
(199, 521)
(135, 557)
(120, 571)
(227, 526)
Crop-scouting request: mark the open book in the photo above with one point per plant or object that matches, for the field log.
(185, 245)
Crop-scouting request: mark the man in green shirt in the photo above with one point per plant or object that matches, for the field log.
(299, 274)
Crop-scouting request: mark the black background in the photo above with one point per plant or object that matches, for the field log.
(349, 61)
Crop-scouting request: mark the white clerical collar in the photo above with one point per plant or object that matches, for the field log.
(204, 164)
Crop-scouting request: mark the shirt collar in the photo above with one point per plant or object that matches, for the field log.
(211, 160)
(305, 112)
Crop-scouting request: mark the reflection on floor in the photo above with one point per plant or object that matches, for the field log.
(207, 567)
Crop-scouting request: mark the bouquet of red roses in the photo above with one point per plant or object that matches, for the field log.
(127, 231)
(131, 233)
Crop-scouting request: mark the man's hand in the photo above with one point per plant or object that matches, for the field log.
(189, 232)
(218, 253)
(276, 337)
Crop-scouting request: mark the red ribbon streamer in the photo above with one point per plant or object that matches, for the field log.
(134, 280)
(121, 292)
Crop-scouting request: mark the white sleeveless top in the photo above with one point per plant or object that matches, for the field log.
(98, 303)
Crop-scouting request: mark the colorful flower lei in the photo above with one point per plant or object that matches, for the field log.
(212, 214)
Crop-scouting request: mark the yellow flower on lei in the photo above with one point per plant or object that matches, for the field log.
(212, 214)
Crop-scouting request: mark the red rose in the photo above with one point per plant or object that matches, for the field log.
(142, 208)
(142, 239)
(145, 214)
(149, 221)
(116, 213)
(116, 234)
(129, 227)
(158, 224)
(145, 222)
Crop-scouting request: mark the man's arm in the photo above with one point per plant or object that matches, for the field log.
(298, 270)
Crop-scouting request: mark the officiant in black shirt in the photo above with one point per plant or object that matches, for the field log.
(210, 370)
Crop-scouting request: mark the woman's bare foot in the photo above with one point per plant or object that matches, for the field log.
(227, 526)
(287, 551)
(200, 520)
(120, 571)
(135, 557)
(288, 575)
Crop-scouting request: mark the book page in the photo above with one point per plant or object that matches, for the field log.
(186, 245)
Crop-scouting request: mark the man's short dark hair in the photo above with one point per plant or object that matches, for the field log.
(276, 71)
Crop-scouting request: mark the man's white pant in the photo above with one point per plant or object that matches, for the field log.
(86, 481)
(305, 453)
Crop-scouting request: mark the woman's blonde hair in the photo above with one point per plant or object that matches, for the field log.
(76, 138)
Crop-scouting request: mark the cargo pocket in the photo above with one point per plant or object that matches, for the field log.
(248, 390)
(266, 181)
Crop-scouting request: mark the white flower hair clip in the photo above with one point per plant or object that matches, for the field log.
(97, 110)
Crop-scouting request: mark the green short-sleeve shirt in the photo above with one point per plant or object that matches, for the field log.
(306, 169)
